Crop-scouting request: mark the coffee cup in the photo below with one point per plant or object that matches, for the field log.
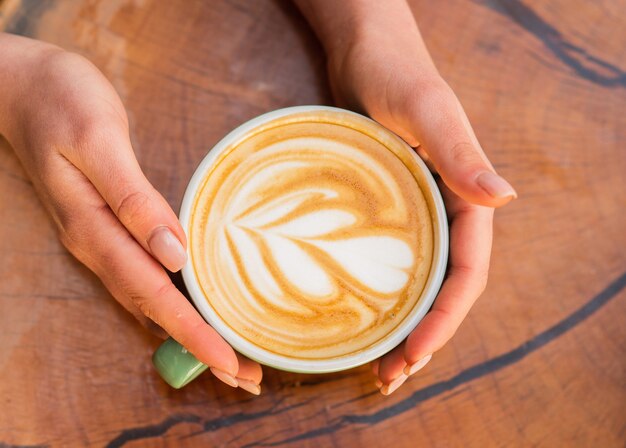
(317, 241)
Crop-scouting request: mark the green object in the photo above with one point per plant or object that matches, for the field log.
(176, 365)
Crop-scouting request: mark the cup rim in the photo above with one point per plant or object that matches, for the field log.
(266, 357)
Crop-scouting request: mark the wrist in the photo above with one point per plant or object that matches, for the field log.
(340, 26)
(20, 61)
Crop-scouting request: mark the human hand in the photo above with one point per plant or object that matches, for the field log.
(379, 64)
(70, 131)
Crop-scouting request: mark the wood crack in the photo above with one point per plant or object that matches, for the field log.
(480, 370)
(158, 429)
(584, 64)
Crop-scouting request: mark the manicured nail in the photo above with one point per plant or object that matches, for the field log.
(167, 249)
(390, 388)
(250, 386)
(495, 186)
(224, 377)
(378, 383)
(410, 370)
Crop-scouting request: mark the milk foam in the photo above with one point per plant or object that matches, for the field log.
(311, 240)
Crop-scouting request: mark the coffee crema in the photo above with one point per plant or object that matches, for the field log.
(311, 237)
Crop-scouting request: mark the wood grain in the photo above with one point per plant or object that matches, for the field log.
(540, 360)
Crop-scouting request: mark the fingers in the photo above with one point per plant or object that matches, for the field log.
(106, 157)
(392, 365)
(391, 371)
(249, 375)
(93, 233)
(443, 130)
(151, 290)
(470, 248)
(248, 369)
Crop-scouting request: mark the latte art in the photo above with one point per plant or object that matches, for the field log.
(311, 239)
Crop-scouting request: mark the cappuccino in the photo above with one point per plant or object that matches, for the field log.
(312, 235)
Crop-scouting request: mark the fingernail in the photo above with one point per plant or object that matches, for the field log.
(167, 249)
(410, 370)
(250, 386)
(224, 377)
(495, 186)
(379, 383)
(390, 388)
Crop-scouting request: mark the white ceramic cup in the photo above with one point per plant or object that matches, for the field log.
(168, 362)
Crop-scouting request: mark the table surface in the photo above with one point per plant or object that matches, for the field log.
(541, 358)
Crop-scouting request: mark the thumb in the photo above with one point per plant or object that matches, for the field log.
(111, 166)
(446, 136)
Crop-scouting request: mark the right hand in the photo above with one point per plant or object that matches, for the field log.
(382, 67)
(70, 130)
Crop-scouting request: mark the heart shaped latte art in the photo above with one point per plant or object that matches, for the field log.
(311, 240)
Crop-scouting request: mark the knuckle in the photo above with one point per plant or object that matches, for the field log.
(434, 91)
(93, 132)
(464, 154)
(75, 237)
(145, 321)
(479, 277)
(433, 101)
(144, 304)
(133, 207)
(72, 234)
(147, 304)
(76, 225)
(165, 290)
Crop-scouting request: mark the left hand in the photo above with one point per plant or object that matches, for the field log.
(394, 81)
(69, 129)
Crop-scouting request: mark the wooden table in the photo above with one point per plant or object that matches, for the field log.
(541, 359)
